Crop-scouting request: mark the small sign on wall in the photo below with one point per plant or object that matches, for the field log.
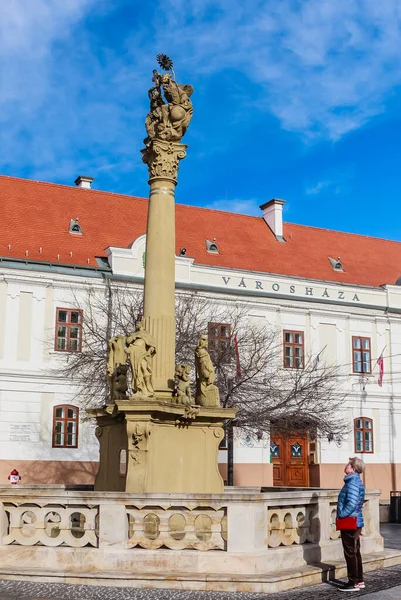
(21, 432)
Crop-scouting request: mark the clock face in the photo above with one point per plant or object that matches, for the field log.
(296, 450)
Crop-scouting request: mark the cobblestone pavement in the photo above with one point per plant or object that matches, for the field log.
(384, 584)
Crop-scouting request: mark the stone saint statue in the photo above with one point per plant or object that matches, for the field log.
(170, 109)
(116, 358)
(207, 394)
(141, 347)
(117, 355)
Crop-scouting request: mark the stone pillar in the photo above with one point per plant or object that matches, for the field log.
(162, 159)
(247, 525)
(323, 530)
(112, 525)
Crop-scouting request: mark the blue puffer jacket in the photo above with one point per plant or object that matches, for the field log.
(350, 499)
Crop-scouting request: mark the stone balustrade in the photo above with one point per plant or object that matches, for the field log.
(243, 532)
(236, 521)
(55, 525)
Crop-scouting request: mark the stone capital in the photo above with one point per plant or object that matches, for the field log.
(163, 158)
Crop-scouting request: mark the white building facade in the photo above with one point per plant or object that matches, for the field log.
(42, 433)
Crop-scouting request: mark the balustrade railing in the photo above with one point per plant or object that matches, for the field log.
(52, 525)
(234, 522)
(177, 528)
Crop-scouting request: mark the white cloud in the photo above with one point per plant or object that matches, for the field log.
(336, 181)
(67, 94)
(236, 205)
(320, 186)
(61, 101)
(324, 68)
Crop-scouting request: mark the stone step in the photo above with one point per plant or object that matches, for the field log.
(270, 582)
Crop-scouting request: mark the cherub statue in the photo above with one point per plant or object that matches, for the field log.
(207, 394)
(182, 385)
(120, 385)
(141, 347)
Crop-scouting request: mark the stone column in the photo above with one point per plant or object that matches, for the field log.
(162, 158)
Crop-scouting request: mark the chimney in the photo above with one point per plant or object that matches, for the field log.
(273, 215)
(83, 182)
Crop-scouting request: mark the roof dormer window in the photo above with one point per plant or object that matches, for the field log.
(75, 227)
(212, 246)
(336, 264)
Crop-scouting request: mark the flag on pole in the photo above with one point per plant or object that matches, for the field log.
(238, 364)
(380, 362)
(317, 359)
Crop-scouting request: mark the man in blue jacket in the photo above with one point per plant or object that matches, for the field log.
(350, 503)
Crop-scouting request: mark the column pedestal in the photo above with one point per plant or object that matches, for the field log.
(167, 447)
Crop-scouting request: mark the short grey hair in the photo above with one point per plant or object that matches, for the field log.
(357, 464)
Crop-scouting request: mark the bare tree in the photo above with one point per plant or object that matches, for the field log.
(250, 373)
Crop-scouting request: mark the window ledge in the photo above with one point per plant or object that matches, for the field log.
(64, 352)
(364, 375)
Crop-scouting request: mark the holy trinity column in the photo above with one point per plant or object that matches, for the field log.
(166, 123)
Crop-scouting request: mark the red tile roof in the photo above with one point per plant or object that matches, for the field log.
(36, 215)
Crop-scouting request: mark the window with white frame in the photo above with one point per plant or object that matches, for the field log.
(68, 330)
(65, 426)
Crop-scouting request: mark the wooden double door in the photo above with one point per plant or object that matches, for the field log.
(289, 455)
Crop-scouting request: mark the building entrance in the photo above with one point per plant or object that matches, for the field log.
(289, 455)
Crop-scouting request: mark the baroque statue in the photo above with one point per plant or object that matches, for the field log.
(119, 382)
(116, 352)
(170, 105)
(207, 394)
(117, 359)
(141, 348)
(182, 385)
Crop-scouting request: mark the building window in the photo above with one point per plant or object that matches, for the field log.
(363, 432)
(219, 339)
(68, 330)
(293, 349)
(65, 426)
(361, 354)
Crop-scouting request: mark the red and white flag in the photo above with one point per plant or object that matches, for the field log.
(380, 362)
(238, 364)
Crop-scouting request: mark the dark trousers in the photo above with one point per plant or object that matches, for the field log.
(352, 553)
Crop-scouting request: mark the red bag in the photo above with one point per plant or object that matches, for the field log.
(346, 523)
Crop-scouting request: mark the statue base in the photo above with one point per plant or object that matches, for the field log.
(150, 445)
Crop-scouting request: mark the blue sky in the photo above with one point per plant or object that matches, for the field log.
(295, 99)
